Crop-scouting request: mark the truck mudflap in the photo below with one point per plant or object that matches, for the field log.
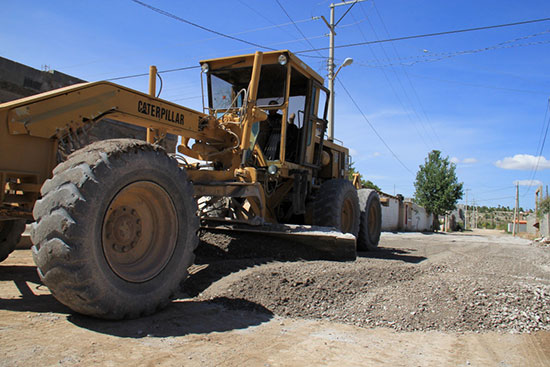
(331, 243)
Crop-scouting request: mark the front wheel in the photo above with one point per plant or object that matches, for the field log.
(371, 220)
(115, 229)
(337, 205)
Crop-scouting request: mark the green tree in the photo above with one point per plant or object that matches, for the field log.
(436, 187)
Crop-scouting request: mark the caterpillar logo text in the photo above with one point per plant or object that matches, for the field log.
(160, 112)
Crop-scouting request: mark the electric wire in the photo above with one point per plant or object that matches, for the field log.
(501, 198)
(444, 56)
(428, 121)
(394, 90)
(429, 34)
(158, 72)
(295, 25)
(373, 128)
(539, 151)
(479, 86)
(293, 22)
(175, 17)
(400, 82)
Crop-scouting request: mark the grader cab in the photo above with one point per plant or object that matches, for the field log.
(116, 221)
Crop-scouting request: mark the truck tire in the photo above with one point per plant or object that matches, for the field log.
(371, 220)
(10, 234)
(337, 205)
(115, 229)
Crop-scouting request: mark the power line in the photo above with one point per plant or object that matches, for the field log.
(295, 25)
(373, 128)
(430, 34)
(501, 198)
(480, 86)
(391, 84)
(539, 155)
(173, 16)
(442, 56)
(428, 121)
(401, 84)
(159, 72)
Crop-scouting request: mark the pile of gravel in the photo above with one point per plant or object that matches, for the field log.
(449, 294)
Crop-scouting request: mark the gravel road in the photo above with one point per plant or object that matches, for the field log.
(444, 299)
(448, 282)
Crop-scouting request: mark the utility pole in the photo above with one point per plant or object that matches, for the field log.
(466, 211)
(330, 62)
(516, 210)
(475, 214)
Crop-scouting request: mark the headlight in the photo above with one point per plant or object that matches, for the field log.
(205, 67)
(272, 170)
(282, 60)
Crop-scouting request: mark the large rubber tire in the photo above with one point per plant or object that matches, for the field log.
(337, 205)
(370, 224)
(115, 229)
(10, 234)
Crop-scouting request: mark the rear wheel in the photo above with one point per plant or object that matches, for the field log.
(10, 234)
(337, 206)
(116, 229)
(371, 220)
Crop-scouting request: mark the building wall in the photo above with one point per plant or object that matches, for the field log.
(404, 215)
(544, 227)
(416, 218)
(18, 80)
(390, 215)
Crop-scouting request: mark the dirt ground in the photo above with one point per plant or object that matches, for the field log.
(476, 299)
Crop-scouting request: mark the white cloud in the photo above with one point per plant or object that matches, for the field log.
(523, 162)
(528, 182)
(455, 160)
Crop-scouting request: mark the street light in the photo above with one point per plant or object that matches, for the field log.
(332, 77)
(347, 62)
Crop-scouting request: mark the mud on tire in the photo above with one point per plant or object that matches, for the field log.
(10, 234)
(115, 229)
(370, 223)
(337, 205)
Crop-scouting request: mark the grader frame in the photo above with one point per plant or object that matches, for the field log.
(125, 226)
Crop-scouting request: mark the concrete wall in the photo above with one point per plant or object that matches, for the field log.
(404, 215)
(544, 225)
(390, 215)
(18, 80)
(416, 218)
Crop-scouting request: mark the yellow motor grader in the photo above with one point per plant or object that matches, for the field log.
(116, 221)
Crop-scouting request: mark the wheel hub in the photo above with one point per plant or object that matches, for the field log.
(140, 230)
(123, 229)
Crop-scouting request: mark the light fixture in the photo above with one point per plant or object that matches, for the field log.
(348, 61)
(205, 67)
(282, 60)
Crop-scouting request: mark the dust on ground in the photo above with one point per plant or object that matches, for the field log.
(421, 299)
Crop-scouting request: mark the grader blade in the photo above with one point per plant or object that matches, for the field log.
(327, 241)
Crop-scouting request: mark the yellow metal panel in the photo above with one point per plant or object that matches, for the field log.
(70, 107)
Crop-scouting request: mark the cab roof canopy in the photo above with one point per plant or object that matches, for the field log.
(271, 57)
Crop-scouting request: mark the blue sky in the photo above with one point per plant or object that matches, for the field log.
(479, 97)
